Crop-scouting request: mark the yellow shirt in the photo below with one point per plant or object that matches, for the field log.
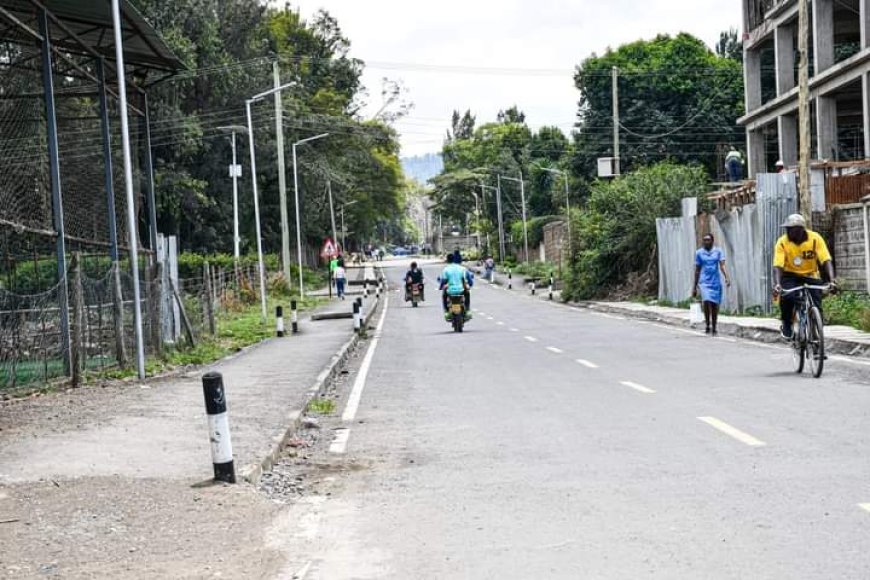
(801, 259)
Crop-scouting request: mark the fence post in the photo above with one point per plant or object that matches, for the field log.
(118, 315)
(155, 298)
(76, 346)
(218, 427)
(208, 297)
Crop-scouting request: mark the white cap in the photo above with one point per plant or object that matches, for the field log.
(795, 220)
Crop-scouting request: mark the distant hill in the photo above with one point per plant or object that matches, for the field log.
(423, 167)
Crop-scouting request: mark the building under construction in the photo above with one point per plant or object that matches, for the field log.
(839, 64)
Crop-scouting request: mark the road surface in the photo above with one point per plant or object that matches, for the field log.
(553, 442)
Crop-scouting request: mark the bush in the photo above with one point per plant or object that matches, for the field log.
(849, 309)
(615, 234)
(536, 230)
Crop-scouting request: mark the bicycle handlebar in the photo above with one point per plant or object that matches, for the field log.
(823, 287)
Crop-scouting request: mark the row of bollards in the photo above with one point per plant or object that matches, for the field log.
(294, 319)
(215, 392)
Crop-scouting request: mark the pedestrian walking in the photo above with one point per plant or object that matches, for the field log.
(340, 275)
(709, 273)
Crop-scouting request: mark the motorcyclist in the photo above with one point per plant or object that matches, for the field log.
(413, 276)
(455, 282)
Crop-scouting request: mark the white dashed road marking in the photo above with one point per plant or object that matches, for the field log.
(637, 387)
(531, 339)
(732, 431)
(587, 364)
(555, 350)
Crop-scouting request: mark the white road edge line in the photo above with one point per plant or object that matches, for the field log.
(531, 338)
(846, 359)
(339, 444)
(555, 350)
(360, 382)
(587, 364)
(637, 387)
(732, 431)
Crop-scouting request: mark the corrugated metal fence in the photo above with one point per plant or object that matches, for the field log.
(746, 236)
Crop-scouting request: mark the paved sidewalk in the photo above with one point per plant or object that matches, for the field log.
(159, 429)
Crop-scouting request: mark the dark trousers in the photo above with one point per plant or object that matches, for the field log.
(734, 169)
(787, 302)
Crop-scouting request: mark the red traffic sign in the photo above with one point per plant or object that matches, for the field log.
(329, 250)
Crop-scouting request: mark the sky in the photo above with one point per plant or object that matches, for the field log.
(489, 55)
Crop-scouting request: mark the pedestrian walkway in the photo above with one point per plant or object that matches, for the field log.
(159, 429)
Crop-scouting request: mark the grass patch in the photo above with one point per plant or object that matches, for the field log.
(322, 406)
(848, 309)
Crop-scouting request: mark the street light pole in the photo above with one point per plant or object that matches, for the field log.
(298, 218)
(256, 211)
(332, 213)
(500, 221)
(523, 201)
(282, 174)
(235, 173)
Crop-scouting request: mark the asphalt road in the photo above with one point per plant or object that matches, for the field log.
(553, 442)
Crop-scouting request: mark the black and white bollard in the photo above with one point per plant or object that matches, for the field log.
(294, 317)
(356, 319)
(510, 280)
(218, 427)
(366, 290)
(362, 312)
(551, 286)
(534, 286)
(279, 320)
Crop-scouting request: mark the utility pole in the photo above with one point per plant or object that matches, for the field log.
(804, 109)
(525, 222)
(500, 222)
(616, 161)
(332, 213)
(282, 175)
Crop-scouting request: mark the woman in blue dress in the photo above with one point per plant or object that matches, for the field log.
(709, 262)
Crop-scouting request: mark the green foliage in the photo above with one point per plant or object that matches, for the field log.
(540, 270)
(321, 406)
(849, 309)
(228, 46)
(678, 100)
(616, 233)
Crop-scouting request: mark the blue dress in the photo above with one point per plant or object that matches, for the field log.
(710, 280)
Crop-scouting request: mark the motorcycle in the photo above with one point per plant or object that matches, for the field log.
(456, 312)
(416, 294)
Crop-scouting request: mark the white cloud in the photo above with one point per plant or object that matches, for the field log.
(510, 34)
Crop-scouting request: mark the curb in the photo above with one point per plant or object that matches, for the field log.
(251, 473)
(833, 345)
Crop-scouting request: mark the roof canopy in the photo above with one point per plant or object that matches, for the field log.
(81, 26)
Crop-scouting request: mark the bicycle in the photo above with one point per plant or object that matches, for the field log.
(808, 330)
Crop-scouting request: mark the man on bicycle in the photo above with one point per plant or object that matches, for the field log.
(799, 256)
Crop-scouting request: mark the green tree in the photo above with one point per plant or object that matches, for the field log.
(678, 101)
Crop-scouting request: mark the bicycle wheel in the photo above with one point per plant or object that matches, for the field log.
(798, 351)
(816, 342)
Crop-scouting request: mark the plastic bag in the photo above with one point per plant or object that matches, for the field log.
(696, 316)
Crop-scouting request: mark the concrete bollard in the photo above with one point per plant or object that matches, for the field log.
(294, 317)
(510, 280)
(551, 286)
(218, 427)
(356, 319)
(279, 320)
(534, 286)
(362, 312)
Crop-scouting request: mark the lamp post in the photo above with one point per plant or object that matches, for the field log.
(523, 201)
(343, 228)
(298, 220)
(260, 266)
(235, 173)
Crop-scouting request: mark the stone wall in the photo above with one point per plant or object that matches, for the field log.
(555, 245)
(849, 246)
